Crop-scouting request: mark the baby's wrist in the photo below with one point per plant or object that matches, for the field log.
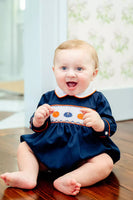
(100, 126)
(37, 123)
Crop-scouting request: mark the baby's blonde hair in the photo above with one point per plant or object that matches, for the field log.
(77, 44)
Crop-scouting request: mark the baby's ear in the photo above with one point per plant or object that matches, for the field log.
(53, 68)
(95, 73)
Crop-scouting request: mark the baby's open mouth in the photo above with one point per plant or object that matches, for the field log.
(71, 84)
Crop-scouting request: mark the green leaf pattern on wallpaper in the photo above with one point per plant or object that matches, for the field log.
(78, 11)
(127, 14)
(119, 43)
(105, 13)
(108, 26)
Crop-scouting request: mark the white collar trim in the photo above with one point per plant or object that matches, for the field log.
(89, 91)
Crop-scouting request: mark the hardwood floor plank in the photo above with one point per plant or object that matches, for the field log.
(125, 177)
(124, 146)
(126, 161)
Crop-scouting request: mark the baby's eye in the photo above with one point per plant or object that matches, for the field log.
(64, 68)
(79, 68)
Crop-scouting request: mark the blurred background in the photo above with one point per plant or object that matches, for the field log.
(11, 44)
(11, 63)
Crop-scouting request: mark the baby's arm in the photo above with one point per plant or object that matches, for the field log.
(92, 119)
(41, 114)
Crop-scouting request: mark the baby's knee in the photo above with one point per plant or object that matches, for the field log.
(104, 163)
(22, 147)
(107, 164)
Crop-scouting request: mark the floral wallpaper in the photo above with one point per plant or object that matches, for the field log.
(108, 26)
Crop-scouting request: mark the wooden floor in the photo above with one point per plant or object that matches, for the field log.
(119, 185)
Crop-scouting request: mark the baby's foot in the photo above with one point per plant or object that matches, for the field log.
(68, 186)
(18, 179)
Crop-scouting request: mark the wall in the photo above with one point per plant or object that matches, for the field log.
(108, 26)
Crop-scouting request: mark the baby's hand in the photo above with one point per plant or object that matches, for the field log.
(92, 119)
(41, 114)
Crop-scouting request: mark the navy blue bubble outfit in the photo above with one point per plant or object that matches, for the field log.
(63, 140)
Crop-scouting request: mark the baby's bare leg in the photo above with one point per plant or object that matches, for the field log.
(93, 171)
(26, 177)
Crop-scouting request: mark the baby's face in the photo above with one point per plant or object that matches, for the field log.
(73, 70)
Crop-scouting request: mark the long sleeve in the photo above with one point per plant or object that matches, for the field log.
(104, 110)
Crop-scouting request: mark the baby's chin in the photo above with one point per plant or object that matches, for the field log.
(72, 92)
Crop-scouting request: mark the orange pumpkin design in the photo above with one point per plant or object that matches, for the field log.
(80, 116)
(56, 114)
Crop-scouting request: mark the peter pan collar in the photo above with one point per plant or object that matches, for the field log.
(89, 91)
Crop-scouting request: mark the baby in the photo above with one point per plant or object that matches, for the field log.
(72, 127)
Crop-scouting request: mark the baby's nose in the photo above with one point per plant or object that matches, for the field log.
(71, 73)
